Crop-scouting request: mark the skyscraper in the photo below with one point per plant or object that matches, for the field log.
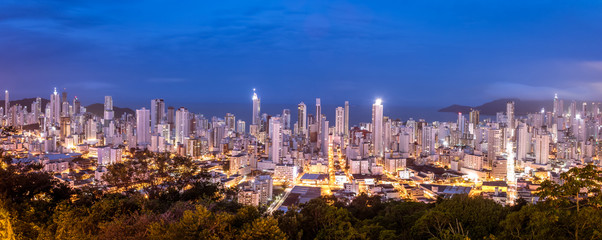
(510, 173)
(109, 114)
(542, 148)
(256, 108)
(377, 128)
(523, 143)
(510, 114)
(474, 116)
(142, 126)
(55, 107)
(64, 104)
(319, 114)
(182, 125)
(157, 113)
(339, 124)
(276, 139)
(324, 136)
(76, 106)
(286, 118)
(6, 103)
(230, 122)
(346, 125)
(301, 118)
(557, 109)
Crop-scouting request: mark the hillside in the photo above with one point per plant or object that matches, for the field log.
(521, 107)
(98, 110)
(25, 102)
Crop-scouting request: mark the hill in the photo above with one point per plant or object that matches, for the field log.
(98, 110)
(25, 102)
(521, 107)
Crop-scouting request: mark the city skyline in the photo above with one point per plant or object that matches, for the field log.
(341, 119)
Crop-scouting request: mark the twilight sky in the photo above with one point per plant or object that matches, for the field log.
(420, 52)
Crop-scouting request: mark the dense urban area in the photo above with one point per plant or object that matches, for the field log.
(167, 173)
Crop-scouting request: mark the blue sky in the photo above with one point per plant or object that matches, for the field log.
(421, 52)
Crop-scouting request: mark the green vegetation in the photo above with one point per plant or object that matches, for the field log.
(180, 205)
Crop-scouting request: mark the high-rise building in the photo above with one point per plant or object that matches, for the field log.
(170, 115)
(182, 125)
(510, 114)
(230, 122)
(377, 128)
(256, 109)
(301, 118)
(157, 113)
(276, 139)
(346, 125)
(55, 107)
(339, 124)
(109, 114)
(324, 136)
(143, 126)
(76, 106)
(542, 148)
(286, 119)
(510, 174)
(474, 116)
(240, 126)
(573, 109)
(64, 104)
(461, 123)
(6, 103)
(319, 114)
(523, 143)
(557, 108)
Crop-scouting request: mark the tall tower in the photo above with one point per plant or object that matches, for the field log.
(319, 115)
(346, 126)
(510, 114)
(276, 139)
(339, 123)
(157, 113)
(523, 143)
(510, 173)
(377, 127)
(55, 107)
(64, 104)
(557, 110)
(301, 117)
(286, 119)
(6, 103)
(109, 114)
(542, 148)
(256, 109)
(142, 126)
(182, 125)
(76, 106)
(325, 142)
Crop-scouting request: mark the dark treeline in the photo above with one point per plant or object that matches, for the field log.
(33, 205)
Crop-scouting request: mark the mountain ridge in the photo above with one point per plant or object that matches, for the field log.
(521, 107)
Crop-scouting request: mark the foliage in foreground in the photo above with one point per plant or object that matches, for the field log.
(35, 206)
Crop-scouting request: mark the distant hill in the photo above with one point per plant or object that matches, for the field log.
(521, 107)
(25, 102)
(98, 110)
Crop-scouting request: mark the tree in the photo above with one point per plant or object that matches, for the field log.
(6, 228)
(577, 185)
(477, 217)
(262, 228)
